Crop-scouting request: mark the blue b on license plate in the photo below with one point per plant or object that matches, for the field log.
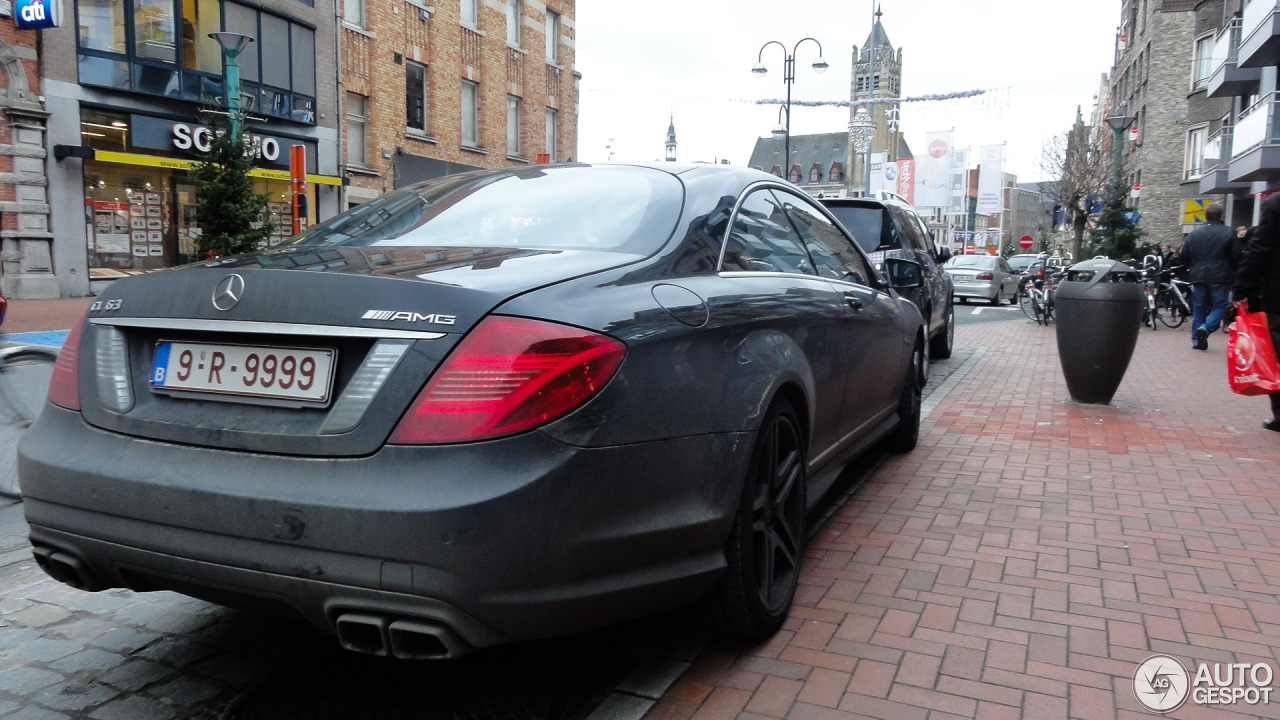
(287, 373)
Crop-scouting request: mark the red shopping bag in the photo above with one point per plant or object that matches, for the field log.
(1251, 360)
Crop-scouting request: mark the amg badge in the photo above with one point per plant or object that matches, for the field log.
(435, 319)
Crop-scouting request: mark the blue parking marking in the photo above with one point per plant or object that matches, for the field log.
(52, 338)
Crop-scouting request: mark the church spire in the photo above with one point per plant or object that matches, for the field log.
(671, 139)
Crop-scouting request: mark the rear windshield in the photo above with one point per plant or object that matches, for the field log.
(866, 224)
(1018, 263)
(985, 262)
(621, 209)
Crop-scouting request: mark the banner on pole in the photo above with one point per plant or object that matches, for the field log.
(877, 173)
(933, 187)
(907, 179)
(959, 204)
(990, 179)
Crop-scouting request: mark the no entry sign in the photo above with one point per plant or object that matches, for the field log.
(1026, 242)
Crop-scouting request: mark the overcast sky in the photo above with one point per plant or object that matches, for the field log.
(640, 63)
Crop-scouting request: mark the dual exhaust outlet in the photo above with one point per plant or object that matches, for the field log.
(66, 568)
(401, 638)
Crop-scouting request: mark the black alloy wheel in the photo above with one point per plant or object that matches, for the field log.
(767, 541)
(941, 344)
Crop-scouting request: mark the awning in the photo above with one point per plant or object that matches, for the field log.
(123, 158)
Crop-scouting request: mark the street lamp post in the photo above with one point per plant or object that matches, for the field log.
(1119, 123)
(788, 77)
(861, 130)
(232, 45)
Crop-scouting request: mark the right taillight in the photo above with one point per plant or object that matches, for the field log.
(64, 386)
(509, 375)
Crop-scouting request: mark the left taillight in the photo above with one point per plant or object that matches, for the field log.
(985, 276)
(64, 386)
(509, 375)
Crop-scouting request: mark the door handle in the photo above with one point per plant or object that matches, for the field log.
(853, 301)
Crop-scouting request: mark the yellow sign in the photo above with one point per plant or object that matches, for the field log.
(1193, 211)
(180, 164)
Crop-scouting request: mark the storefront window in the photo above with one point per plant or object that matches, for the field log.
(199, 51)
(153, 31)
(102, 25)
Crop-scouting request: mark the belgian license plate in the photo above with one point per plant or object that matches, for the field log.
(287, 373)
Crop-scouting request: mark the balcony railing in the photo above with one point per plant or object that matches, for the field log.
(1217, 152)
(1255, 13)
(1256, 125)
(1226, 50)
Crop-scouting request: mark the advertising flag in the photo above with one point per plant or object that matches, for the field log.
(877, 173)
(990, 178)
(959, 204)
(907, 179)
(934, 181)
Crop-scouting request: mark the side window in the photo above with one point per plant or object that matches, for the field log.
(833, 253)
(907, 230)
(762, 240)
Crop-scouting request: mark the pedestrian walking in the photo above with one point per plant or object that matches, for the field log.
(1258, 281)
(1211, 271)
(1166, 256)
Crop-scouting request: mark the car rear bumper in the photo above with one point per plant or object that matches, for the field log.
(973, 290)
(516, 538)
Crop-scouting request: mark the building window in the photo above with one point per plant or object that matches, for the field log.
(1194, 164)
(513, 23)
(470, 114)
(815, 175)
(552, 134)
(353, 12)
(470, 13)
(357, 129)
(513, 125)
(835, 175)
(794, 175)
(553, 37)
(415, 95)
(140, 46)
(1203, 62)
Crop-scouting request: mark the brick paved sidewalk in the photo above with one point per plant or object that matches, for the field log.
(1031, 552)
(35, 315)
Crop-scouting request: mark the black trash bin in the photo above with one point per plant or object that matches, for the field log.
(1099, 311)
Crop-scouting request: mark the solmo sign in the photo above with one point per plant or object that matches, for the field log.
(200, 139)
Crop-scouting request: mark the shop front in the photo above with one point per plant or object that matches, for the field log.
(139, 202)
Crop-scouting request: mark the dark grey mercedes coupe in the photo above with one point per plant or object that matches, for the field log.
(493, 406)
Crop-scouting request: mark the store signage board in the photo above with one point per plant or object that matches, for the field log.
(37, 14)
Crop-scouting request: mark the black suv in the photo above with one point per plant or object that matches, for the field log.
(891, 228)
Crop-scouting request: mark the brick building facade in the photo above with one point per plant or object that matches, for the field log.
(1151, 81)
(24, 204)
(458, 85)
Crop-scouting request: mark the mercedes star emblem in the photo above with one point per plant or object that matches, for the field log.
(228, 292)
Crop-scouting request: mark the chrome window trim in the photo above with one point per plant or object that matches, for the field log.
(266, 328)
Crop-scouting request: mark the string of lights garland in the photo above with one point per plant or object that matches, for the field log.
(875, 101)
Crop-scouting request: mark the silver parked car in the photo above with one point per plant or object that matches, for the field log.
(982, 276)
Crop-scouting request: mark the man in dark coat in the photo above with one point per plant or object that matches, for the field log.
(1258, 281)
(1211, 271)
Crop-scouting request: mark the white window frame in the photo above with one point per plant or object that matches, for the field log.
(515, 15)
(514, 104)
(1202, 65)
(470, 104)
(553, 133)
(553, 36)
(426, 115)
(353, 12)
(1193, 160)
(357, 123)
(469, 11)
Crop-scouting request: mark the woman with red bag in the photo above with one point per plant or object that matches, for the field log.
(1258, 281)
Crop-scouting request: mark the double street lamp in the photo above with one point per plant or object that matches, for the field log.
(788, 77)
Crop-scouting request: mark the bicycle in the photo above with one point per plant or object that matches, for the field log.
(1173, 298)
(24, 379)
(1036, 300)
(1150, 282)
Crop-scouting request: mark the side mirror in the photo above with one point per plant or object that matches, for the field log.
(944, 254)
(903, 274)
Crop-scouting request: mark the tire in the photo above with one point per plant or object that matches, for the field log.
(940, 345)
(1172, 314)
(905, 437)
(766, 543)
(1028, 304)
